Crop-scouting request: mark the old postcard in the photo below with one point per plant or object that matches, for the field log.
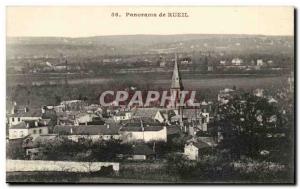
(150, 95)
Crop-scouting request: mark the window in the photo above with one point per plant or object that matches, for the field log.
(21, 133)
(40, 131)
(34, 131)
(13, 119)
(19, 119)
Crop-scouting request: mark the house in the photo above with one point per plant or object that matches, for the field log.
(33, 128)
(272, 100)
(225, 95)
(141, 132)
(32, 145)
(73, 105)
(85, 118)
(121, 116)
(258, 92)
(93, 132)
(142, 152)
(260, 62)
(194, 148)
(222, 62)
(164, 116)
(145, 112)
(237, 61)
(93, 108)
(23, 114)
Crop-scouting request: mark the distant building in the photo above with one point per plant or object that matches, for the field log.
(260, 62)
(143, 132)
(85, 118)
(26, 128)
(258, 92)
(164, 116)
(194, 147)
(145, 112)
(225, 95)
(291, 82)
(93, 132)
(222, 62)
(142, 152)
(237, 62)
(32, 145)
(23, 114)
(121, 116)
(176, 88)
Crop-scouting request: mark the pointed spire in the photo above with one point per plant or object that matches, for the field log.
(176, 80)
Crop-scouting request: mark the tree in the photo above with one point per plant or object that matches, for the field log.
(251, 126)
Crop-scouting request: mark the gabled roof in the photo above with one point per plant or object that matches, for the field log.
(86, 130)
(200, 144)
(30, 113)
(146, 112)
(137, 120)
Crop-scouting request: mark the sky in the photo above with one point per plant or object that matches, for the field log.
(72, 21)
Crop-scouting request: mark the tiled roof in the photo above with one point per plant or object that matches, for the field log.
(139, 129)
(200, 144)
(86, 130)
(31, 124)
(146, 112)
(29, 113)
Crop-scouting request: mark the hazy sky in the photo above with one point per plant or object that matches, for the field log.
(96, 21)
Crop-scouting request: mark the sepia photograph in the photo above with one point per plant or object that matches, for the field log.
(150, 95)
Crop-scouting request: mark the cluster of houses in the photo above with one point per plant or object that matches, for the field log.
(137, 126)
(77, 120)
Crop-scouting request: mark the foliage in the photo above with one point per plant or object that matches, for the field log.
(83, 150)
(250, 125)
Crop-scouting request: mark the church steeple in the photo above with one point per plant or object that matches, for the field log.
(176, 80)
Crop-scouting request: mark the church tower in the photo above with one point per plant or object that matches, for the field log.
(176, 88)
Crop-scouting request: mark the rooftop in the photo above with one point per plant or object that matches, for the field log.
(86, 130)
(31, 124)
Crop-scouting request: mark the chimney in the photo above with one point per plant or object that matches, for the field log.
(27, 125)
(107, 126)
(71, 130)
(36, 123)
(45, 123)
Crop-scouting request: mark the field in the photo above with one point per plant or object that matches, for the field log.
(45, 90)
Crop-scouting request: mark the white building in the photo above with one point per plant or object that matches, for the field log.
(84, 118)
(93, 132)
(26, 128)
(143, 133)
(237, 61)
(24, 114)
(122, 116)
(259, 62)
(193, 148)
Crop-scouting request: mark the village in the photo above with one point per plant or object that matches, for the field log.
(142, 133)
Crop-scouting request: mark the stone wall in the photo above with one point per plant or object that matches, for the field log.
(67, 166)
